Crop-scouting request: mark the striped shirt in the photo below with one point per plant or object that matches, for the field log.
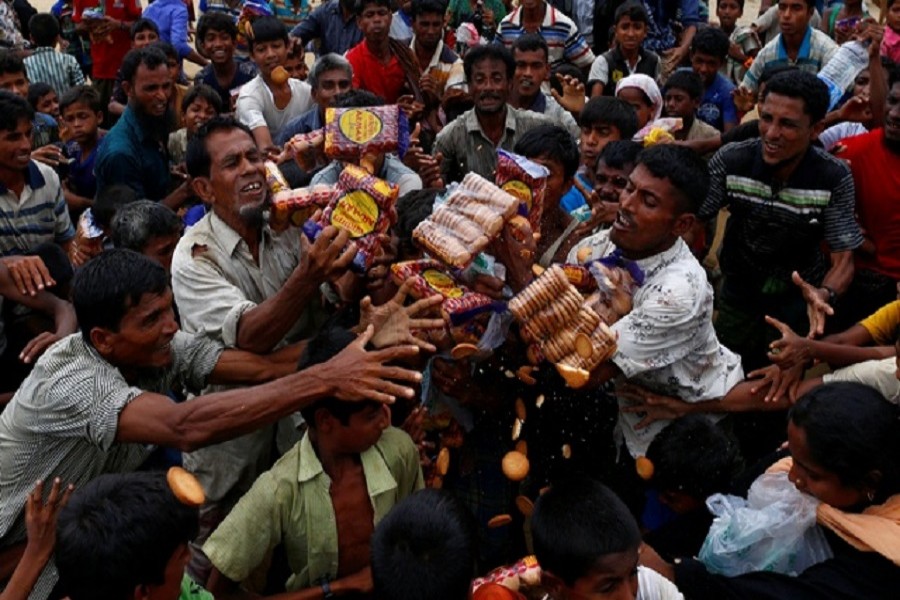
(564, 42)
(63, 422)
(776, 228)
(37, 216)
(815, 52)
(60, 70)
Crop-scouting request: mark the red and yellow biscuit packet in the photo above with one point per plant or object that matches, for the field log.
(351, 133)
(429, 277)
(527, 181)
(295, 207)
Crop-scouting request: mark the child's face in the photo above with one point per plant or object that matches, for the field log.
(144, 38)
(680, 104)
(594, 139)
(630, 34)
(268, 55)
(174, 68)
(49, 104)
(893, 16)
(218, 46)
(614, 577)
(297, 68)
(706, 66)
(728, 12)
(82, 121)
(639, 102)
(198, 112)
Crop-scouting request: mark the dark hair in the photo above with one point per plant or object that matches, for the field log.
(10, 63)
(565, 69)
(360, 5)
(576, 523)
(618, 154)
(13, 110)
(893, 76)
(357, 98)
(711, 41)
(109, 200)
(36, 91)
(684, 169)
(142, 25)
(267, 29)
(118, 532)
(327, 344)
(687, 80)
(851, 431)
(44, 29)
(425, 549)
(196, 158)
(110, 284)
(802, 85)
(81, 94)
(695, 457)
(633, 10)
(770, 71)
(135, 224)
(151, 57)
(427, 7)
(201, 90)
(610, 111)
(553, 142)
(413, 208)
(496, 52)
(215, 21)
(531, 42)
(167, 49)
(739, 2)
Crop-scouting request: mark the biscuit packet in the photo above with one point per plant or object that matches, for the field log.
(527, 181)
(295, 207)
(353, 133)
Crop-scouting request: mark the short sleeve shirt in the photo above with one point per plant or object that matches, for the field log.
(244, 72)
(563, 39)
(370, 74)
(717, 105)
(38, 215)
(256, 105)
(882, 325)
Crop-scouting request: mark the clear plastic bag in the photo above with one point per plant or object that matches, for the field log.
(773, 530)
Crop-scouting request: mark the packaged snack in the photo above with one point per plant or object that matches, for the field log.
(617, 280)
(526, 180)
(351, 133)
(295, 207)
(275, 179)
(363, 206)
(659, 131)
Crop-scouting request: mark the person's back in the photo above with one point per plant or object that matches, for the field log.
(47, 65)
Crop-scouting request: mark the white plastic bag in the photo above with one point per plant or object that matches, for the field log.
(773, 530)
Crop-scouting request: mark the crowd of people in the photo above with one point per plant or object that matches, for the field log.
(199, 401)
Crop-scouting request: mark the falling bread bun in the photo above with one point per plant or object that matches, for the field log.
(515, 466)
(279, 75)
(185, 487)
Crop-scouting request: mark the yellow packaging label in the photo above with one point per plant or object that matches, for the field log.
(521, 191)
(359, 125)
(356, 212)
(442, 284)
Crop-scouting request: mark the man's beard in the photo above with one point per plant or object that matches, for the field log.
(255, 215)
(157, 127)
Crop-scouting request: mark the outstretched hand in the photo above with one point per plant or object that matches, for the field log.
(655, 407)
(817, 307)
(789, 351)
(40, 516)
(777, 382)
(394, 323)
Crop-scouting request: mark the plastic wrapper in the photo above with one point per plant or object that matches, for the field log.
(617, 280)
(527, 181)
(460, 305)
(275, 179)
(295, 207)
(774, 530)
(464, 225)
(524, 573)
(363, 206)
(581, 277)
(351, 133)
(659, 131)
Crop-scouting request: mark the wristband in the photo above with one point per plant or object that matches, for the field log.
(832, 295)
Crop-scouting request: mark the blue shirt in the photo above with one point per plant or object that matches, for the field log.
(129, 155)
(81, 172)
(717, 106)
(573, 199)
(327, 25)
(308, 121)
(171, 16)
(245, 71)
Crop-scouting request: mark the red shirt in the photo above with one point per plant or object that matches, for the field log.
(876, 176)
(372, 75)
(107, 57)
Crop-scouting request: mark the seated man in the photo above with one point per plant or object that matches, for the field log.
(124, 537)
(471, 141)
(322, 499)
(95, 403)
(264, 105)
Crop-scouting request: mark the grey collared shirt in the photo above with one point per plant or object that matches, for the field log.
(466, 148)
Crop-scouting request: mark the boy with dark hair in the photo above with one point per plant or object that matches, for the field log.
(200, 104)
(43, 99)
(126, 532)
(425, 548)
(45, 130)
(47, 65)
(82, 114)
(264, 104)
(587, 544)
(708, 53)
(217, 37)
(729, 12)
(682, 99)
(628, 56)
(350, 469)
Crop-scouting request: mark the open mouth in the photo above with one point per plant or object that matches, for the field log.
(622, 222)
(252, 188)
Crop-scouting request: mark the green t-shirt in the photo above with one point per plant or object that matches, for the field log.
(191, 590)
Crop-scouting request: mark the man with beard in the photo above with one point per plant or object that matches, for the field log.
(530, 54)
(134, 153)
(237, 281)
(470, 143)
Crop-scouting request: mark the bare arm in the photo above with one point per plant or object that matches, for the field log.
(263, 138)
(878, 88)
(840, 274)
(856, 335)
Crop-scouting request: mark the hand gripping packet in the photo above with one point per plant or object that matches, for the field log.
(351, 133)
(295, 207)
(363, 206)
(527, 181)
(429, 277)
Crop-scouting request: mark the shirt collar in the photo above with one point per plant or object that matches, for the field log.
(763, 172)
(227, 237)
(131, 121)
(804, 46)
(549, 16)
(539, 105)
(34, 179)
(472, 123)
(378, 475)
(436, 57)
